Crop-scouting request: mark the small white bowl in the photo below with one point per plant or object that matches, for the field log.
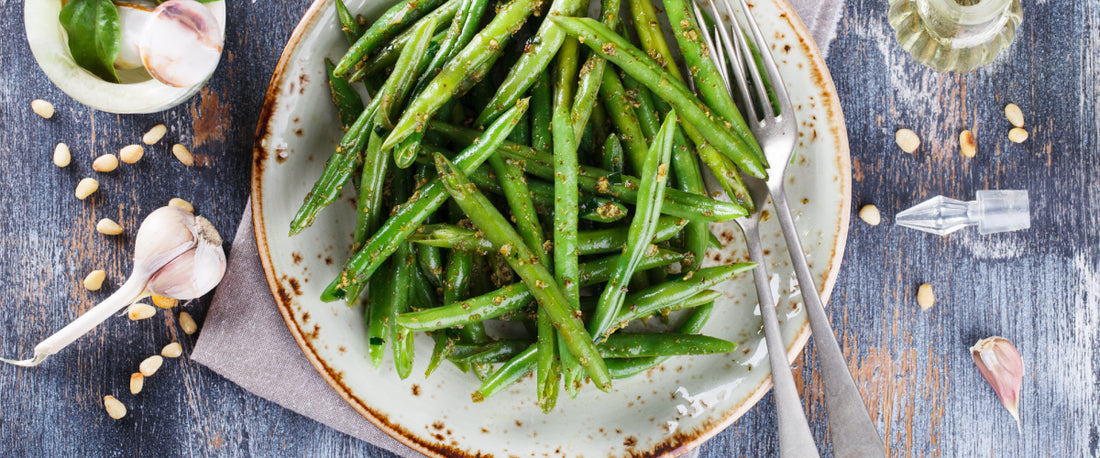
(138, 93)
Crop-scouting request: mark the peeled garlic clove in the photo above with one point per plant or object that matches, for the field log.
(181, 43)
(1001, 365)
(132, 20)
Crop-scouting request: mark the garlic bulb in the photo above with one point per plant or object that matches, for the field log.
(176, 254)
(181, 43)
(132, 20)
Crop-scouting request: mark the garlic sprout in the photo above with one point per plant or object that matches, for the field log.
(176, 254)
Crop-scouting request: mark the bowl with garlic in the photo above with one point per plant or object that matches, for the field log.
(126, 57)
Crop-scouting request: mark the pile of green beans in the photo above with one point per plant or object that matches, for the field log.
(516, 163)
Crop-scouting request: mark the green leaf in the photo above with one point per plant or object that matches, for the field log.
(94, 35)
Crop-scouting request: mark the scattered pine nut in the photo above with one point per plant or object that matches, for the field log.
(105, 163)
(131, 153)
(183, 154)
(172, 350)
(1017, 135)
(94, 280)
(107, 226)
(177, 202)
(154, 135)
(42, 108)
(188, 324)
(967, 146)
(164, 302)
(86, 187)
(1014, 115)
(115, 408)
(150, 365)
(870, 215)
(140, 311)
(137, 382)
(925, 296)
(61, 155)
(907, 140)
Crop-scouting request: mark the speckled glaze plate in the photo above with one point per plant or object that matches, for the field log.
(666, 411)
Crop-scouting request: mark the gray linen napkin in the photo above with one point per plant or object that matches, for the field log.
(245, 339)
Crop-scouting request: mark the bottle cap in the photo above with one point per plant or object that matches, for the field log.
(1002, 211)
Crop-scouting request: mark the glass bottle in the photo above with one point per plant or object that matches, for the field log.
(955, 35)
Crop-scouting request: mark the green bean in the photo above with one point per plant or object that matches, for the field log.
(404, 73)
(369, 208)
(488, 353)
(347, 101)
(612, 239)
(566, 194)
(536, 57)
(591, 76)
(541, 112)
(624, 119)
(652, 300)
(511, 297)
(456, 286)
(642, 345)
(508, 374)
(594, 180)
(521, 135)
(422, 292)
(642, 228)
(708, 81)
(525, 263)
(386, 27)
(429, 258)
(378, 307)
(636, 63)
(348, 24)
(522, 205)
(403, 266)
(612, 157)
(444, 344)
(468, 64)
(598, 241)
(547, 363)
(408, 216)
(387, 56)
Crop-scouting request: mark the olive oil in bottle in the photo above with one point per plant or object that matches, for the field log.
(955, 35)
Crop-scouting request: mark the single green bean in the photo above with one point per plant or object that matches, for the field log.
(636, 63)
(348, 103)
(386, 27)
(642, 227)
(410, 215)
(525, 263)
(468, 64)
(522, 205)
(642, 345)
(652, 300)
(624, 119)
(566, 194)
(488, 353)
(591, 76)
(612, 157)
(541, 112)
(379, 310)
(404, 73)
(508, 374)
(348, 24)
(599, 241)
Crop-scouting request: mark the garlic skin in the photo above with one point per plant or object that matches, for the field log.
(181, 43)
(1001, 365)
(176, 254)
(132, 21)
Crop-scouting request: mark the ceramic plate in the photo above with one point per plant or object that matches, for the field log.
(664, 412)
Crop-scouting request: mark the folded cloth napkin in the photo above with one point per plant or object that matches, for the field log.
(245, 339)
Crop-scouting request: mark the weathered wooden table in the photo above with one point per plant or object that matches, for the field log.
(1040, 288)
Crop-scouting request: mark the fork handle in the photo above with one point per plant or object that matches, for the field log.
(795, 438)
(853, 432)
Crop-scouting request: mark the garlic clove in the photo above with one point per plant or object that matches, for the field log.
(132, 21)
(1001, 365)
(181, 43)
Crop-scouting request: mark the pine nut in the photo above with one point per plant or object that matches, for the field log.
(107, 226)
(154, 135)
(925, 296)
(61, 155)
(150, 365)
(141, 311)
(907, 140)
(115, 408)
(870, 215)
(177, 202)
(188, 324)
(131, 153)
(1014, 115)
(94, 280)
(137, 382)
(164, 302)
(105, 163)
(1017, 135)
(172, 350)
(86, 187)
(183, 154)
(42, 108)
(967, 146)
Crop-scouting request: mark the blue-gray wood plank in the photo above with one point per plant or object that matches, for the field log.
(1040, 288)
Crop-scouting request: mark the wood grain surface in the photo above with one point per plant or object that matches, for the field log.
(1039, 288)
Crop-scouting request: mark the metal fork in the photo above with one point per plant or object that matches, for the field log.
(850, 425)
